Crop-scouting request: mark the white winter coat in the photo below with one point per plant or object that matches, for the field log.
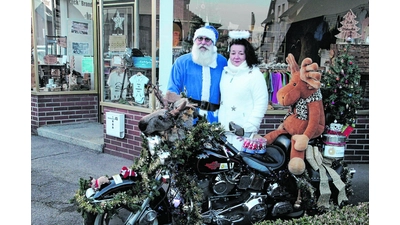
(244, 97)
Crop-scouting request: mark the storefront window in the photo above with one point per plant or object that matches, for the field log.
(63, 46)
(224, 15)
(269, 33)
(127, 52)
(115, 46)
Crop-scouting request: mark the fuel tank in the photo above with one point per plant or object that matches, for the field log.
(212, 162)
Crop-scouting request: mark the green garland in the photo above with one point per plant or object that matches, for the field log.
(147, 167)
(131, 198)
(183, 178)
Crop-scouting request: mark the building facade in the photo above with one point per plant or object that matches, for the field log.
(88, 56)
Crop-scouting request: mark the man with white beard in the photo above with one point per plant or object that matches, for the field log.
(197, 74)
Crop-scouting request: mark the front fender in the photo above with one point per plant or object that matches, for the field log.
(112, 188)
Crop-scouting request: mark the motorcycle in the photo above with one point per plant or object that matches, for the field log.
(190, 174)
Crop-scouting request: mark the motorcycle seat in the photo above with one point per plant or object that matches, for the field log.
(272, 159)
(284, 142)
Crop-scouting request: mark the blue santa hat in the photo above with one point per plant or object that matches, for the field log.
(207, 31)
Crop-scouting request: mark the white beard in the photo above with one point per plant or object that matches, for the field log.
(203, 58)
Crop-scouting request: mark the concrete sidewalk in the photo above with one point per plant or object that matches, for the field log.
(56, 168)
(86, 134)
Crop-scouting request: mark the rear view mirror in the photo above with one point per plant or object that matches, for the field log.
(236, 129)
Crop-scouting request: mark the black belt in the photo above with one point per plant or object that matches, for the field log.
(204, 105)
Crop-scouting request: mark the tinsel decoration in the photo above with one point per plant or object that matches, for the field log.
(147, 166)
(183, 179)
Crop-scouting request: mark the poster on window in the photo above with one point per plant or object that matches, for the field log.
(80, 27)
(117, 43)
(80, 48)
(80, 37)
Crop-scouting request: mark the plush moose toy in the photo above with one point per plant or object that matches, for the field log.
(306, 119)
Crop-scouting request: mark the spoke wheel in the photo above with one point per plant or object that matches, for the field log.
(118, 218)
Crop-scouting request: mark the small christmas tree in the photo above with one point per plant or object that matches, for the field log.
(341, 89)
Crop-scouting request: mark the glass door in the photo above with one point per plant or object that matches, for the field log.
(117, 29)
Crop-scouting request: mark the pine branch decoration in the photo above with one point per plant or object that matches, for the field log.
(147, 166)
(341, 89)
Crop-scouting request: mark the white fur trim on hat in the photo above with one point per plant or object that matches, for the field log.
(205, 32)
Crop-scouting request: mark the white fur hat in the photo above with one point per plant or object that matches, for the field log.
(207, 31)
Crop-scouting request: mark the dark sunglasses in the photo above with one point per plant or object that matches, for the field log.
(200, 39)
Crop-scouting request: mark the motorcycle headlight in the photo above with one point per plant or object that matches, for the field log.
(149, 216)
(89, 192)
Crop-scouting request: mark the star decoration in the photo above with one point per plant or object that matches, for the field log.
(118, 21)
(233, 108)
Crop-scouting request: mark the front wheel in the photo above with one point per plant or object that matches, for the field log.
(89, 218)
(120, 217)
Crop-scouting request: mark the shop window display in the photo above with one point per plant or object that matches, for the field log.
(62, 46)
(66, 61)
(273, 36)
(117, 23)
(129, 82)
(127, 65)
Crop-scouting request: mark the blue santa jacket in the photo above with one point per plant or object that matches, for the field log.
(186, 76)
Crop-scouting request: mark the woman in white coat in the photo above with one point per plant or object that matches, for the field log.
(244, 93)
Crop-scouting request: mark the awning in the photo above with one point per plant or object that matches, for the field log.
(271, 14)
(307, 9)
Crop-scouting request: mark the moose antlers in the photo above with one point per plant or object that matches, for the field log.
(178, 102)
(309, 74)
(308, 71)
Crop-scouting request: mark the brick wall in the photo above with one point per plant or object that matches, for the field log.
(129, 147)
(62, 109)
(360, 53)
(357, 144)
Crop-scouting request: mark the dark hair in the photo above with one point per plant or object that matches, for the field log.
(251, 58)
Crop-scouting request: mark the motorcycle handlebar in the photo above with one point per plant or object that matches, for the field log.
(229, 145)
